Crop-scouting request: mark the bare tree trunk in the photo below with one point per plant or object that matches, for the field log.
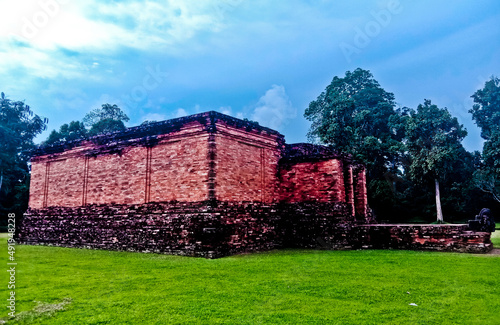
(438, 204)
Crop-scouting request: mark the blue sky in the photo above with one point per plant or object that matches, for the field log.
(263, 60)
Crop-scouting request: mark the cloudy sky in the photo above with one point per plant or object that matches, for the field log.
(262, 60)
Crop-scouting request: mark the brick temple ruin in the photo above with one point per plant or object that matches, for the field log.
(208, 185)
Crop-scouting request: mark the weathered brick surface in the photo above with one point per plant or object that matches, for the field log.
(214, 229)
(306, 224)
(206, 156)
(204, 229)
(203, 157)
(457, 238)
(320, 181)
(57, 182)
(117, 178)
(37, 184)
(179, 170)
(360, 196)
(246, 165)
(174, 167)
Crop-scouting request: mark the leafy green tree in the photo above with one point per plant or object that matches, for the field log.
(67, 132)
(109, 118)
(356, 116)
(18, 127)
(434, 142)
(486, 110)
(352, 115)
(486, 114)
(106, 126)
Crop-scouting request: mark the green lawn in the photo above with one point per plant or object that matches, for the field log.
(495, 237)
(78, 286)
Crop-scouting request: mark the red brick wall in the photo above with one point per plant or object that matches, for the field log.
(37, 184)
(65, 177)
(349, 187)
(360, 196)
(176, 168)
(195, 162)
(246, 165)
(57, 181)
(179, 170)
(320, 181)
(115, 178)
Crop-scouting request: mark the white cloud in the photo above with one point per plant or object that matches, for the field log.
(37, 35)
(153, 25)
(180, 112)
(274, 109)
(225, 110)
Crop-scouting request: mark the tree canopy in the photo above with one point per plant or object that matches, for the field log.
(434, 142)
(486, 114)
(18, 127)
(353, 115)
(68, 132)
(108, 118)
(409, 153)
(106, 112)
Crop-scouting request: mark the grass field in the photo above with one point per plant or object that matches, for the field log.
(495, 237)
(77, 286)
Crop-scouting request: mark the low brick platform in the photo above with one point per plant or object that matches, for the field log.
(203, 229)
(213, 229)
(208, 229)
(444, 237)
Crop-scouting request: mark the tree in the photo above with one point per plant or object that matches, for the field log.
(486, 110)
(356, 116)
(18, 127)
(106, 126)
(352, 115)
(109, 118)
(67, 132)
(433, 140)
(486, 114)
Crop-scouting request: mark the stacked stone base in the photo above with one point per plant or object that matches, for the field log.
(213, 229)
(451, 238)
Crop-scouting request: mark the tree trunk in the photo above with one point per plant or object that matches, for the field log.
(438, 204)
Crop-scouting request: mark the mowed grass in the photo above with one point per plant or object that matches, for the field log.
(495, 237)
(278, 287)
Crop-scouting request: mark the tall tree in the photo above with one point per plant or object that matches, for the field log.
(486, 114)
(18, 127)
(108, 118)
(433, 140)
(352, 115)
(356, 116)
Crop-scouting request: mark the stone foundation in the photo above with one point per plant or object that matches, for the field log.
(214, 229)
(456, 238)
